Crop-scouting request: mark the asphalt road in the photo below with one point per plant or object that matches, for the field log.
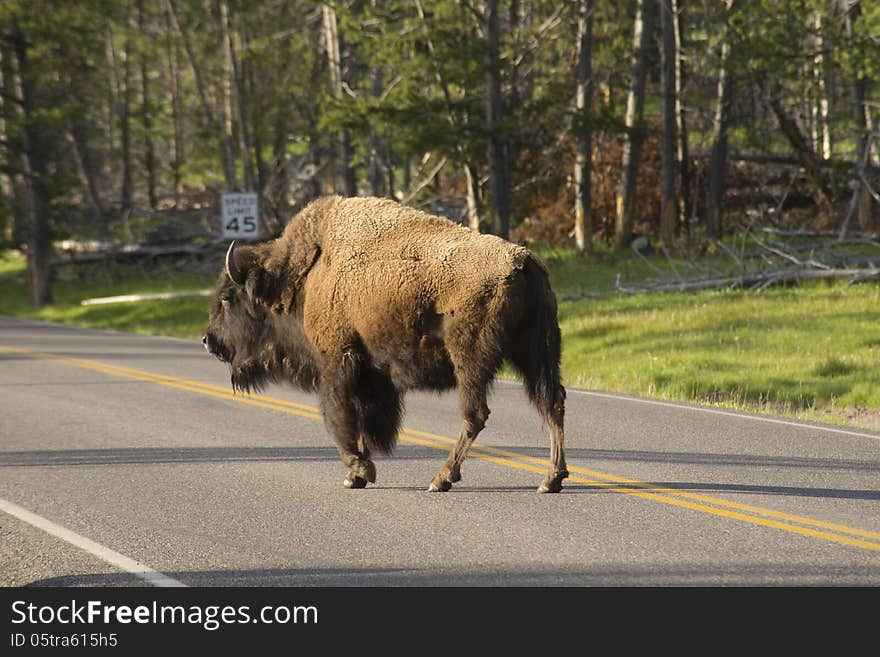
(127, 460)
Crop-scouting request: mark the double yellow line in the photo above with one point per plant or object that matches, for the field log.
(715, 506)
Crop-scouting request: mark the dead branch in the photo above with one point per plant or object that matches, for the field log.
(755, 281)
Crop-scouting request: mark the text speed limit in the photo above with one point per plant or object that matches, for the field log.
(240, 215)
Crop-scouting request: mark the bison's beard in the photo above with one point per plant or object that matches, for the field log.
(253, 375)
(250, 376)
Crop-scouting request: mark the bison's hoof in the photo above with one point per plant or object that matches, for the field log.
(368, 471)
(440, 486)
(353, 481)
(553, 483)
(550, 487)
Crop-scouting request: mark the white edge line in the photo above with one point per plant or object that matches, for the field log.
(95, 549)
(743, 416)
(714, 411)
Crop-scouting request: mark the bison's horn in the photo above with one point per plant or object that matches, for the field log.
(231, 270)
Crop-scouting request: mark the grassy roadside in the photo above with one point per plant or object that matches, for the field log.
(184, 317)
(809, 352)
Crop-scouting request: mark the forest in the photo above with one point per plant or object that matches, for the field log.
(671, 127)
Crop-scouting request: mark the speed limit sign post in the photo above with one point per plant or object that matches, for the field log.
(240, 215)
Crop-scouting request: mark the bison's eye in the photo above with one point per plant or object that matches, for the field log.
(226, 298)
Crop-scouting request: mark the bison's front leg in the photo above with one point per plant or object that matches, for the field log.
(343, 423)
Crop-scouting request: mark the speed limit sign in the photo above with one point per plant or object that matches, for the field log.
(240, 215)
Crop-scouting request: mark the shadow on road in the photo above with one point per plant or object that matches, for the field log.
(163, 455)
(745, 574)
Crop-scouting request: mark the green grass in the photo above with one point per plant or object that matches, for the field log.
(810, 352)
(184, 317)
(807, 349)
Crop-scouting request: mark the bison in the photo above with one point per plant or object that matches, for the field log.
(363, 299)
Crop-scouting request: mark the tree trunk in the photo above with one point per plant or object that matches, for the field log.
(498, 188)
(473, 197)
(583, 163)
(227, 152)
(224, 105)
(634, 110)
(859, 92)
(822, 105)
(111, 108)
(715, 204)
(235, 104)
(334, 61)
(381, 173)
(147, 115)
(83, 163)
(39, 262)
(805, 155)
(683, 150)
(473, 186)
(254, 134)
(682, 147)
(127, 192)
(175, 105)
(7, 187)
(377, 176)
(668, 200)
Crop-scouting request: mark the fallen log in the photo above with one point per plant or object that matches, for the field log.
(136, 251)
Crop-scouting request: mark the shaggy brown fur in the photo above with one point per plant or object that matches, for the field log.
(363, 299)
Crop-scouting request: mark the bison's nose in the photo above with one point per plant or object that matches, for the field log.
(205, 340)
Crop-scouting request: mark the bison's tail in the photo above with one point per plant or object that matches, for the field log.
(537, 353)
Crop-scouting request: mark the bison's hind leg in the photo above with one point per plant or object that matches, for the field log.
(554, 416)
(535, 354)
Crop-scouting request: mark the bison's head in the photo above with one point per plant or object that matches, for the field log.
(255, 325)
(239, 326)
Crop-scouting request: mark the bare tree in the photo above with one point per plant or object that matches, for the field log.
(635, 104)
(83, 161)
(715, 204)
(681, 125)
(472, 192)
(821, 107)
(583, 221)
(236, 94)
(7, 187)
(499, 193)
(175, 105)
(806, 156)
(377, 176)
(859, 91)
(33, 166)
(127, 192)
(668, 200)
(334, 61)
(219, 125)
(147, 114)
